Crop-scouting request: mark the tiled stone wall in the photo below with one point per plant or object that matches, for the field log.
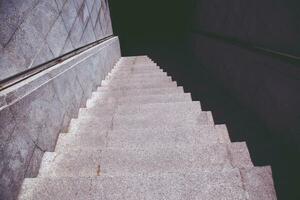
(35, 31)
(35, 111)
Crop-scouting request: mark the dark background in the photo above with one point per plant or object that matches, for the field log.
(165, 30)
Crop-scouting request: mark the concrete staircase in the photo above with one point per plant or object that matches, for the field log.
(141, 137)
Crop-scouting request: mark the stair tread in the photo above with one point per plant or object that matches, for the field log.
(136, 75)
(119, 82)
(142, 85)
(140, 91)
(154, 108)
(137, 71)
(135, 60)
(138, 78)
(141, 160)
(136, 67)
(200, 185)
(139, 138)
(100, 99)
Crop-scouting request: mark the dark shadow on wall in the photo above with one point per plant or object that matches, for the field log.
(160, 30)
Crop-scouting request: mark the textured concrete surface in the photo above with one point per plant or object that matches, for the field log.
(162, 137)
(141, 143)
(258, 182)
(151, 108)
(223, 133)
(140, 99)
(35, 111)
(203, 185)
(138, 92)
(182, 159)
(150, 80)
(138, 75)
(36, 31)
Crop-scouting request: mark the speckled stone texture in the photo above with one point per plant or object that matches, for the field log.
(146, 140)
(36, 31)
(35, 111)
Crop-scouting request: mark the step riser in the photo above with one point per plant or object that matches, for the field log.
(138, 75)
(145, 61)
(140, 121)
(146, 138)
(133, 68)
(227, 185)
(101, 100)
(141, 86)
(139, 79)
(137, 71)
(136, 82)
(188, 108)
(140, 92)
(138, 161)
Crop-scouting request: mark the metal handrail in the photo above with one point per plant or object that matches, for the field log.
(12, 80)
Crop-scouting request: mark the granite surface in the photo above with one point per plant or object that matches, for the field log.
(146, 149)
(35, 111)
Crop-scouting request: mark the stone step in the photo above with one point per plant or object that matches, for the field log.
(103, 101)
(258, 183)
(138, 75)
(230, 184)
(143, 65)
(99, 100)
(144, 99)
(135, 67)
(100, 105)
(137, 71)
(124, 82)
(137, 80)
(137, 121)
(193, 107)
(115, 161)
(137, 91)
(167, 137)
(168, 186)
(141, 85)
(160, 115)
(161, 120)
(156, 138)
(134, 61)
(146, 77)
(222, 132)
(132, 69)
(136, 58)
(88, 123)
